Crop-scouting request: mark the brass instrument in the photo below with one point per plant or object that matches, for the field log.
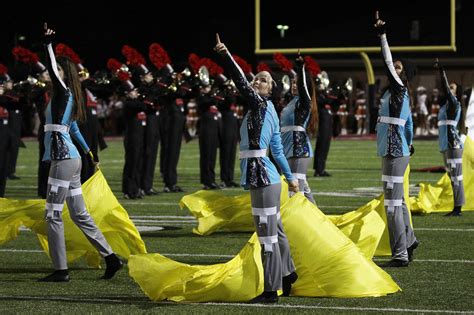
(203, 74)
(186, 72)
(286, 84)
(31, 80)
(84, 73)
(349, 86)
(323, 80)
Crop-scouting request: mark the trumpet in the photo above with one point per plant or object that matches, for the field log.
(31, 80)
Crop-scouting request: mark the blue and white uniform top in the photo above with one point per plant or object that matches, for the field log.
(59, 124)
(395, 125)
(294, 121)
(448, 118)
(260, 131)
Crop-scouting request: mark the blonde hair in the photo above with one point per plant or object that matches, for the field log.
(269, 78)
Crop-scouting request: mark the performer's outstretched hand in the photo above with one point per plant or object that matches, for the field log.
(379, 24)
(48, 33)
(299, 60)
(220, 47)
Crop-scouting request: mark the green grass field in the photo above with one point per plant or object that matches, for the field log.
(440, 280)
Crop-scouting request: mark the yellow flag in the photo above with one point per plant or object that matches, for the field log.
(366, 226)
(110, 217)
(328, 264)
(439, 197)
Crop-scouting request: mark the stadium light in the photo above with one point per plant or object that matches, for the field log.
(282, 29)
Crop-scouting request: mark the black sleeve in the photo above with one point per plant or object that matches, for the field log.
(251, 96)
(303, 92)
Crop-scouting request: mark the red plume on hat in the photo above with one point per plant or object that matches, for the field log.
(121, 71)
(4, 72)
(27, 56)
(134, 58)
(283, 62)
(195, 62)
(244, 65)
(3, 69)
(214, 69)
(159, 57)
(262, 66)
(312, 66)
(66, 51)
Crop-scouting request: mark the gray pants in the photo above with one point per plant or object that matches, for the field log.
(453, 163)
(299, 167)
(64, 182)
(400, 231)
(276, 256)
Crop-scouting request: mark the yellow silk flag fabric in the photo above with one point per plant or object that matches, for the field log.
(239, 279)
(366, 226)
(328, 264)
(110, 217)
(439, 197)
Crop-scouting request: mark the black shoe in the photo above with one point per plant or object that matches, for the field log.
(324, 174)
(151, 192)
(13, 177)
(205, 187)
(128, 196)
(176, 188)
(113, 264)
(395, 263)
(214, 186)
(56, 276)
(166, 189)
(287, 282)
(455, 213)
(266, 297)
(411, 249)
(224, 185)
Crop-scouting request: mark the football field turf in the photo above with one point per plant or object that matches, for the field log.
(440, 280)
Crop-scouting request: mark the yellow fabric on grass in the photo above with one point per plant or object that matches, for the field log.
(439, 197)
(327, 262)
(111, 218)
(239, 279)
(366, 226)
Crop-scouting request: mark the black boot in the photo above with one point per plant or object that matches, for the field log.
(411, 249)
(455, 213)
(396, 263)
(56, 276)
(266, 297)
(113, 264)
(287, 282)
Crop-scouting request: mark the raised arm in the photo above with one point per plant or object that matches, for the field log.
(60, 93)
(386, 54)
(451, 99)
(303, 92)
(51, 64)
(254, 100)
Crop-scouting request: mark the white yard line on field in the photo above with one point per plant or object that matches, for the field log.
(243, 305)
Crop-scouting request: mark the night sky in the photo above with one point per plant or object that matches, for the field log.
(97, 30)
